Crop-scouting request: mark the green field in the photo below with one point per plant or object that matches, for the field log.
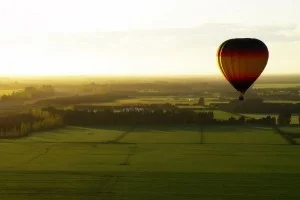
(223, 115)
(159, 163)
(210, 100)
(158, 100)
(294, 118)
(149, 100)
(281, 101)
(258, 115)
(291, 129)
(273, 85)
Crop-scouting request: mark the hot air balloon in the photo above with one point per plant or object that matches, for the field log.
(242, 60)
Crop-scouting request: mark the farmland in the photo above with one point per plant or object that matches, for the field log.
(278, 85)
(294, 117)
(159, 162)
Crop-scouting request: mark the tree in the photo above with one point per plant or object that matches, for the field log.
(242, 119)
(284, 118)
(201, 101)
(24, 128)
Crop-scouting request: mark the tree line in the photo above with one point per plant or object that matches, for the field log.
(257, 106)
(20, 125)
(50, 118)
(149, 116)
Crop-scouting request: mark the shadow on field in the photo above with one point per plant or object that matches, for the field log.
(289, 137)
(149, 185)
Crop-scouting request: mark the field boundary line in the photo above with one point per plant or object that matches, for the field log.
(46, 151)
(131, 153)
(285, 135)
(124, 134)
(109, 184)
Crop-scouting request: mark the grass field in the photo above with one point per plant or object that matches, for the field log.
(281, 101)
(294, 118)
(157, 163)
(222, 115)
(210, 100)
(149, 100)
(158, 100)
(258, 115)
(273, 85)
(291, 129)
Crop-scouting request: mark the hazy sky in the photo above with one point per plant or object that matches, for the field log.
(141, 36)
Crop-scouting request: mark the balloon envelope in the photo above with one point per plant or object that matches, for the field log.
(242, 60)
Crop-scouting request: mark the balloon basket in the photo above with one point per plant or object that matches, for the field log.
(241, 98)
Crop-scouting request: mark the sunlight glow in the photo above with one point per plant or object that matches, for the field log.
(134, 37)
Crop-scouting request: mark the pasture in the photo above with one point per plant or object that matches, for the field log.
(282, 101)
(294, 118)
(275, 85)
(157, 100)
(179, 162)
(149, 100)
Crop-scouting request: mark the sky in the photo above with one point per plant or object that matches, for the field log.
(141, 37)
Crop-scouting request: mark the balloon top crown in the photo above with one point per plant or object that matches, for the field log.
(243, 44)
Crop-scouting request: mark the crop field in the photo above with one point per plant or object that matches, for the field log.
(273, 85)
(193, 107)
(179, 162)
(291, 129)
(258, 115)
(150, 100)
(211, 135)
(294, 118)
(223, 115)
(158, 100)
(249, 135)
(210, 100)
(281, 101)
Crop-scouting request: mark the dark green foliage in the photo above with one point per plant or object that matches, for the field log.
(49, 118)
(148, 116)
(284, 118)
(24, 124)
(257, 106)
(201, 101)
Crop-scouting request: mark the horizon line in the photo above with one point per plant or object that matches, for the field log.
(134, 75)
